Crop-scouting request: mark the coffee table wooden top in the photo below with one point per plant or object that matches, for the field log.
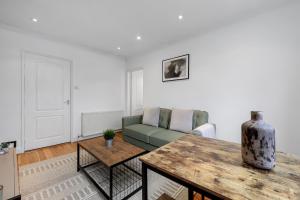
(119, 152)
(216, 166)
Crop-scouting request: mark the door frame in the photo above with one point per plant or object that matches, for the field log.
(23, 54)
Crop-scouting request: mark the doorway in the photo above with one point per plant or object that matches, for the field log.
(135, 95)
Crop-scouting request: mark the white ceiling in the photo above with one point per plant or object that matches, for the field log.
(106, 24)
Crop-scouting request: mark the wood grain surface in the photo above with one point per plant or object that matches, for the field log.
(45, 153)
(119, 152)
(216, 166)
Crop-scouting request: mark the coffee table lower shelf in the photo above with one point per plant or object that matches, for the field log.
(118, 182)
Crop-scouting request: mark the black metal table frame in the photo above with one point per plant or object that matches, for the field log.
(191, 188)
(110, 195)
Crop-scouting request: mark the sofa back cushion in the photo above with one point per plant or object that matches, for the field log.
(181, 120)
(199, 118)
(164, 118)
(151, 116)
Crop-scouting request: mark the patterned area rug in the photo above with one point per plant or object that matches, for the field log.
(57, 178)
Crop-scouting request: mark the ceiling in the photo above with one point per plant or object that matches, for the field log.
(107, 24)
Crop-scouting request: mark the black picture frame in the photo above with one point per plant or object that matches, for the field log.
(176, 76)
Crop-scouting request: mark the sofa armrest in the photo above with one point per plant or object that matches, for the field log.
(205, 130)
(130, 120)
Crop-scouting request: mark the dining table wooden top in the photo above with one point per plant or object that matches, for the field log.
(216, 166)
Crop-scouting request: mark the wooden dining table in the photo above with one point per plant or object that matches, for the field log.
(215, 169)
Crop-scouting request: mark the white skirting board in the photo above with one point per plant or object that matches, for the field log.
(96, 122)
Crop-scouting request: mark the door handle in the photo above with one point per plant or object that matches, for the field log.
(67, 102)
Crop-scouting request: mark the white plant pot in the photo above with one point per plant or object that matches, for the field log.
(109, 143)
(2, 152)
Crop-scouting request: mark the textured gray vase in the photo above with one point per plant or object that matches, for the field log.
(258, 142)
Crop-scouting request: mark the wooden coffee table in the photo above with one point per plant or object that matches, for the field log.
(115, 171)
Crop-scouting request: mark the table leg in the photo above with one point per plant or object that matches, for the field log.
(145, 182)
(78, 157)
(191, 194)
(111, 183)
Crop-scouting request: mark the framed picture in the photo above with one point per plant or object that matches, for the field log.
(177, 68)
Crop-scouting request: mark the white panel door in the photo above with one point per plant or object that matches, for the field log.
(47, 101)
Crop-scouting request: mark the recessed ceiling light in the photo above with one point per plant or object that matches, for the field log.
(119, 48)
(138, 37)
(34, 19)
(180, 17)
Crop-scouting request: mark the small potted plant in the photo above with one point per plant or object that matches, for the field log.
(109, 135)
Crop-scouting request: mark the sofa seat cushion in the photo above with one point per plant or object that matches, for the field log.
(139, 143)
(163, 137)
(141, 131)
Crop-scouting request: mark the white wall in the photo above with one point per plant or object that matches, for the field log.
(99, 77)
(250, 65)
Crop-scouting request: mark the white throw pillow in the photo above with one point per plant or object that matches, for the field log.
(151, 116)
(182, 120)
(205, 130)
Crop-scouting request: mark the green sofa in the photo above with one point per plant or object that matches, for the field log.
(150, 137)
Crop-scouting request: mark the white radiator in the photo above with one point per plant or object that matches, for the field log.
(97, 122)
